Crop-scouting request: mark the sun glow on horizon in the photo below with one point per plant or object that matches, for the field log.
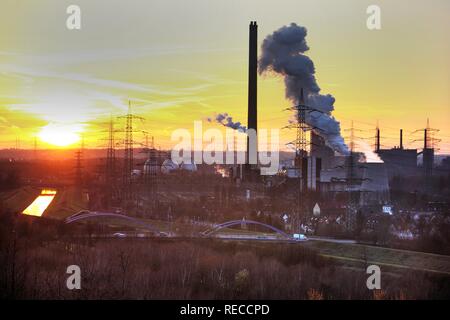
(60, 135)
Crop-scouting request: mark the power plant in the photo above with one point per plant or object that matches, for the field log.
(218, 153)
(314, 170)
(216, 215)
(140, 180)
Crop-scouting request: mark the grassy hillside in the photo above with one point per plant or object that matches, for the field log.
(358, 254)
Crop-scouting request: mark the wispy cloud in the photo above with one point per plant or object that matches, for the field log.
(79, 97)
(11, 69)
(76, 58)
(31, 74)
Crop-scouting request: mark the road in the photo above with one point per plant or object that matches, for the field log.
(236, 236)
(325, 239)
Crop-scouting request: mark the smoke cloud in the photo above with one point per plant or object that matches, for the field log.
(283, 53)
(227, 121)
(366, 149)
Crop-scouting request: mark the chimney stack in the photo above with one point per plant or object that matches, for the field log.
(377, 147)
(401, 138)
(252, 120)
(425, 139)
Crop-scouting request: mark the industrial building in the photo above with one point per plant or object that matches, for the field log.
(370, 182)
(321, 151)
(399, 161)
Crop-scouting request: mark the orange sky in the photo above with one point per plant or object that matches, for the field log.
(182, 62)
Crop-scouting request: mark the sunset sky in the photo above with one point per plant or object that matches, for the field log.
(179, 61)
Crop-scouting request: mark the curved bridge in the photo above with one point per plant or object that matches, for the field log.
(238, 222)
(82, 215)
(85, 215)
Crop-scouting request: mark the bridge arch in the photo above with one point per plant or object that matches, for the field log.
(238, 222)
(83, 215)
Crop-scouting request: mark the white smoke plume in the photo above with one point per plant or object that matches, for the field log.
(227, 121)
(283, 53)
(366, 149)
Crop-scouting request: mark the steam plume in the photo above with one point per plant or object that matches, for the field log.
(227, 121)
(283, 53)
(366, 149)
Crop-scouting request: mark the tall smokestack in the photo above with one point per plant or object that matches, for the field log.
(401, 138)
(425, 139)
(377, 146)
(252, 121)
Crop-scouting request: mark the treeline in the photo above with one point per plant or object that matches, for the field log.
(34, 267)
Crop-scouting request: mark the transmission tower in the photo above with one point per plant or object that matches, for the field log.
(128, 194)
(35, 149)
(151, 176)
(110, 168)
(377, 138)
(17, 143)
(79, 170)
(351, 182)
(429, 144)
(300, 145)
(127, 191)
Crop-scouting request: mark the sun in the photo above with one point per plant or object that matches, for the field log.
(60, 135)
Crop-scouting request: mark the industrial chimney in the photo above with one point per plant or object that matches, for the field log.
(377, 141)
(252, 120)
(401, 139)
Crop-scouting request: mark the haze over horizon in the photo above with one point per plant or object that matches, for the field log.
(176, 66)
